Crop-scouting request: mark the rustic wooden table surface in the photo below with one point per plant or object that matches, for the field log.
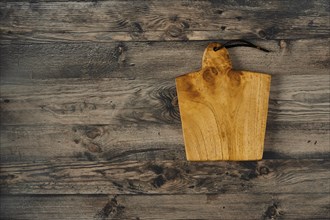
(90, 127)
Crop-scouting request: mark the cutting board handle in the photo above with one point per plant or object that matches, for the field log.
(218, 59)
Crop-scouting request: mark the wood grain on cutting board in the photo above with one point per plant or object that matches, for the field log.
(223, 111)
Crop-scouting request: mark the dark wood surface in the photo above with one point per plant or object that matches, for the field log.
(90, 127)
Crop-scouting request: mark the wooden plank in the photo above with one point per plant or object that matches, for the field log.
(296, 98)
(162, 20)
(169, 177)
(223, 111)
(152, 142)
(97, 142)
(161, 60)
(120, 119)
(211, 206)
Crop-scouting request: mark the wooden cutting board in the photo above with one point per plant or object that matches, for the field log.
(223, 111)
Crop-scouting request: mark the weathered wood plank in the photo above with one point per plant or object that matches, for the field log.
(211, 206)
(170, 177)
(296, 98)
(120, 119)
(161, 60)
(163, 20)
(100, 142)
(152, 142)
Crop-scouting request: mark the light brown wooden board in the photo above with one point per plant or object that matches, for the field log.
(169, 177)
(223, 111)
(209, 206)
(105, 21)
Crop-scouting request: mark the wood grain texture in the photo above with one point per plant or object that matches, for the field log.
(297, 99)
(143, 143)
(154, 60)
(209, 206)
(105, 21)
(88, 103)
(169, 177)
(118, 119)
(223, 111)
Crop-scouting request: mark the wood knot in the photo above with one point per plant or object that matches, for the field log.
(92, 133)
(174, 31)
(94, 148)
(137, 27)
(177, 31)
(90, 156)
(175, 101)
(272, 212)
(111, 209)
(158, 181)
(209, 74)
(249, 175)
(164, 174)
(5, 179)
(282, 44)
(218, 11)
(269, 33)
(167, 109)
(171, 173)
(156, 168)
(174, 18)
(191, 90)
(235, 78)
(263, 170)
(136, 30)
